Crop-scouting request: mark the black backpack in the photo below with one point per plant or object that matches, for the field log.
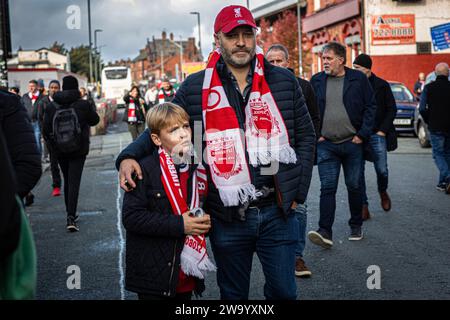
(66, 129)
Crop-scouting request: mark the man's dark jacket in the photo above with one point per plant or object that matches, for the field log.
(359, 100)
(87, 116)
(435, 105)
(292, 180)
(311, 103)
(386, 110)
(32, 109)
(20, 141)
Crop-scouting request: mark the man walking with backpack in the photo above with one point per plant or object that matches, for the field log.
(66, 126)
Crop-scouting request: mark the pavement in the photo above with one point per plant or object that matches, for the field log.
(408, 246)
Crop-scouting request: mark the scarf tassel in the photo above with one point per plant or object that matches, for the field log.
(192, 267)
(234, 195)
(282, 154)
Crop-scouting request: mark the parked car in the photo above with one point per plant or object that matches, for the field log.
(421, 129)
(406, 106)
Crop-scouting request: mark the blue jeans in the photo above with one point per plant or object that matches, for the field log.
(330, 158)
(273, 238)
(301, 215)
(440, 143)
(378, 150)
(37, 135)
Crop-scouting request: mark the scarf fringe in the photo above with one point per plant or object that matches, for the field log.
(234, 195)
(191, 267)
(282, 154)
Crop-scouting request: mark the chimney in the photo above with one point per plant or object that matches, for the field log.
(164, 35)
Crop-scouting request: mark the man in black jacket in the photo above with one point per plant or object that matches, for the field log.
(71, 163)
(435, 110)
(31, 101)
(383, 138)
(278, 55)
(266, 225)
(53, 87)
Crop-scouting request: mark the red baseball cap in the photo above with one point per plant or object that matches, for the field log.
(231, 17)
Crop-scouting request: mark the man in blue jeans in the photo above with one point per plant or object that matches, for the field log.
(347, 109)
(435, 110)
(260, 217)
(383, 137)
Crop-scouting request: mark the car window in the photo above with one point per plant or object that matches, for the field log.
(401, 92)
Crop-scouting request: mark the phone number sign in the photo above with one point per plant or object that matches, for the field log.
(393, 29)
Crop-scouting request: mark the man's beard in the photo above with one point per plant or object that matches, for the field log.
(233, 61)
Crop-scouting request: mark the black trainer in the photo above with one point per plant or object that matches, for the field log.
(72, 225)
(356, 234)
(441, 186)
(320, 238)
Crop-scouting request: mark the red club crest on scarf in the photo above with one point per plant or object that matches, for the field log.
(262, 121)
(225, 159)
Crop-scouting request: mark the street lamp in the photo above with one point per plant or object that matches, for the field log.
(90, 40)
(96, 57)
(299, 30)
(179, 46)
(300, 3)
(199, 33)
(99, 69)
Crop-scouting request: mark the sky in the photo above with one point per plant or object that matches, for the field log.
(126, 24)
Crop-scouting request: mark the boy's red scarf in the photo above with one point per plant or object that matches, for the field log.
(266, 136)
(194, 258)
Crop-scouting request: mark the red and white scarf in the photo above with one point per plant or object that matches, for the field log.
(194, 258)
(266, 135)
(132, 111)
(162, 95)
(34, 97)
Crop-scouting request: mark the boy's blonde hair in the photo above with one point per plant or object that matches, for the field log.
(164, 115)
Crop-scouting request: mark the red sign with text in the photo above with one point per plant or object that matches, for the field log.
(391, 29)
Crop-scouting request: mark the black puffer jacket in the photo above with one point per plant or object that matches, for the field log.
(9, 212)
(20, 141)
(87, 116)
(292, 180)
(155, 236)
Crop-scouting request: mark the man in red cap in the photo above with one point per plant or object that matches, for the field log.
(258, 154)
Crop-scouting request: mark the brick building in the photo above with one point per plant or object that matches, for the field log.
(147, 65)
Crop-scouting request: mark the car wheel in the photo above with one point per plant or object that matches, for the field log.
(422, 135)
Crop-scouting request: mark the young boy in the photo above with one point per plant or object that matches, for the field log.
(164, 241)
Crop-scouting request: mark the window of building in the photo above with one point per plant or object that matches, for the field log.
(316, 5)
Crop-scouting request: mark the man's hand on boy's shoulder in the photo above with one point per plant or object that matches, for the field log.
(126, 170)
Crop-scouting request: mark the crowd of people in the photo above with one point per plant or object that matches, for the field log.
(254, 112)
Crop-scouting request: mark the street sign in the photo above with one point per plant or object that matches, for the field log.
(440, 35)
